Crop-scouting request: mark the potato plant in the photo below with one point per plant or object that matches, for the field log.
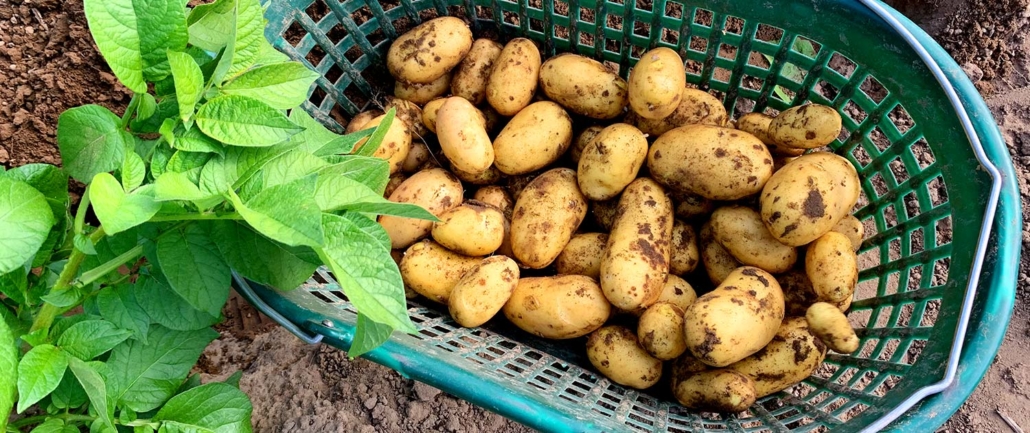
(211, 168)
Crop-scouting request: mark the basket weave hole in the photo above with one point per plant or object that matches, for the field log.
(315, 56)
(613, 22)
(703, 17)
(428, 14)
(510, 18)
(898, 170)
(829, 92)
(322, 297)
(670, 37)
(727, 51)
(900, 119)
(793, 72)
(561, 32)
(915, 242)
(642, 29)
(318, 96)
(734, 25)
(561, 7)
(587, 16)
(872, 88)
(317, 10)
(933, 308)
(758, 60)
(842, 65)
(770, 34)
(362, 15)
(853, 112)
(673, 10)
(866, 378)
(613, 46)
(806, 47)
(721, 75)
(942, 231)
(937, 191)
(940, 272)
(883, 313)
(586, 40)
(879, 139)
(894, 246)
(484, 13)
(905, 313)
(921, 153)
(536, 25)
(889, 382)
(861, 156)
(698, 44)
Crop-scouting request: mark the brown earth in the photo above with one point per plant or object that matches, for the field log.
(48, 63)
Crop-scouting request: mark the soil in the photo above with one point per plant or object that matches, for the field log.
(48, 63)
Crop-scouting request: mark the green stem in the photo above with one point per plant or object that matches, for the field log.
(106, 268)
(197, 216)
(133, 103)
(49, 312)
(80, 213)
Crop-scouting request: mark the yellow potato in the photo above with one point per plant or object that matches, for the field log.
(395, 146)
(692, 206)
(518, 183)
(805, 127)
(827, 322)
(473, 229)
(561, 307)
(429, 111)
(463, 138)
(844, 175)
(798, 293)
(832, 266)
(429, 50)
(395, 181)
(718, 262)
(685, 255)
(513, 80)
(852, 228)
(656, 83)
(546, 216)
(418, 155)
(493, 118)
(780, 161)
(483, 291)
(497, 197)
(696, 107)
(740, 230)
(422, 93)
(604, 212)
(616, 353)
(471, 75)
(660, 331)
(436, 190)
(698, 387)
(582, 255)
(713, 162)
(611, 161)
(408, 112)
(736, 319)
(790, 358)
(584, 86)
(800, 202)
(635, 263)
(757, 124)
(678, 292)
(533, 139)
(358, 122)
(432, 270)
(582, 140)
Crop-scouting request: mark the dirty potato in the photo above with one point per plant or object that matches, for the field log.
(827, 322)
(436, 190)
(790, 358)
(611, 161)
(713, 162)
(800, 202)
(470, 77)
(699, 387)
(604, 212)
(358, 122)
(395, 181)
(546, 216)
(473, 229)
(483, 291)
(533, 139)
(513, 80)
(740, 230)
(409, 113)
(757, 124)
(805, 127)
(656, 83)
(581, 141)
(422, 93)
(429, 51)
(463, 138)
(584, 86)
(660, 331)
(395, 145)
(685, 254)
(718, 262)
(692, 206)
(432, 270)
(582, 255)
(696, 107)
(497, 197)
(560, 307)
(616, 353)
(429, 111)
(852, 228)
(832, 266)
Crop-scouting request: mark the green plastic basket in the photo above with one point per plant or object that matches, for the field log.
(937, 284)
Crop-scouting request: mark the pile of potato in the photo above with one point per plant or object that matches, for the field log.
(677, 191)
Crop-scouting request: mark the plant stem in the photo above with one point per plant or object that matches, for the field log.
(106, 268)
(49, 312)
(197, 216)
(133, 103)
(80, 213)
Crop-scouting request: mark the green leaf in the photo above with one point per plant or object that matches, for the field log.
(366, 272)
(118, 305)
(234, 379)
(250, 30)
(371, 172)
(91, 140)
(68, 394)
(315, 136)
(286, 213)
(91, 338)
(216, 407)
(177, 186)
(267, 54)
(213, 177)
(335, 193)
(118, 211)
(368, 335)
(133, 171)
(195, 141)
(159, 160)
(113, 25)
(25, 222)
(242, 121)
(144, 376)
(189, 82)
(147, 106)
(9, 380)
(49, 180)
(61, 324)
(162, 28)
(200, 275)
(290, 167)
(96, 388)
(242, 163)
(167, 108)
(66, 298)
(372, 144)
(111, 246)
(39, 373)
(191, 382)
(168, 309)
(190, 163)
(369, 226)
(212, 24)
(52, 425)
(262, 260)
(14, 285)
(280, 85)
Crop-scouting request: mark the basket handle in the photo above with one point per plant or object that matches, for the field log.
(244, 289)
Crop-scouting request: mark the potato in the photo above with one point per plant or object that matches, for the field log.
(805, 127)
(493, 118)
(636, 260)
(473, 229)
(497, 197)
(483, 291)
(736, 319)
(845, 176)
(684, 255)
(418, 154)
(518, 183)
(718, 262)
(395, 181)
(432, 270)
(546, 216)
(611, 161)
(395, 146)
(422, 93)
(471, 75)
(358, 122)
(582, 255)
(463, 138)
(616, 353)
(429, 51)
(581, 141)
(800, 202)
(429, 111)
(790, 358)
(660, 331)
(798, 293)
(721, 390)
(676, 291)
(832, 266)
(692, 206)
(436, 190)
(740, 230)
(513, 81)
(561, 307)
(533, 139)
(827, 322)
(757, 124)
(408, 112)
(584, 86)
(780, 161)
(852, 228)
(604, 212)
(656, 83)
(505, 248)
(710, 161)
(696, 107)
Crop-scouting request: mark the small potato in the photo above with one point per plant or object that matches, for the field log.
(800, 202)
(832, 266)
(718, 262)
(721, 390)
(604, 212)
(582, 140)
(546, 216)
(611, 161)
(584, 86)
(483, 291)
(852, 228)
(516, 184)
(616, 353)
(798, 293)
(691, 206)
(358, 122)
(410, 113)
(790, 358)
(418, 154)
(696, 107)
(429, 111)
(429, 51)
(513, 80)
(713, 162)
(488, 177)
(422, 93)
(533, 139)
(656, 83)
(582, 256)
(473, 229)
(395, 146)
(494, 120)
(497, 197)
(561, 307)
(678, 292)
(636, 260)
(463, 138)
(805, 127)
(436, 190)
(471, 75)
(660, 331)
(757, 124)
(685, 255)
(736, 319)
(827, 322)
(432, 270)
(740, 230)
(395, 181)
